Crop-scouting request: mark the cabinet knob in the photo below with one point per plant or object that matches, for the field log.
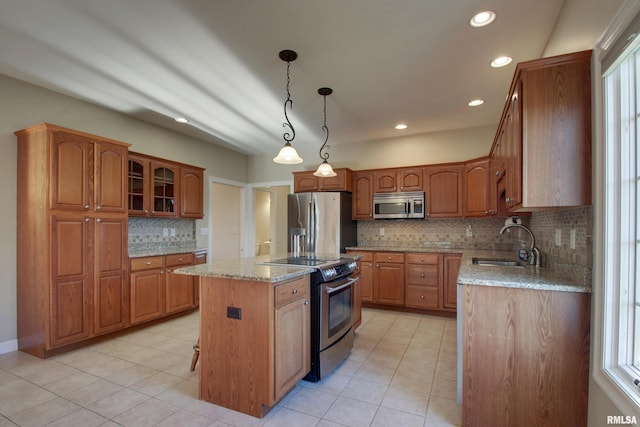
(421, 274)
(508, 199)
(98, 220)
(421, 296)
(87, 219)
(378, 265)
(98, 207)
(86, 206)
(161, 272)
(169, 271)
(294, 291)
(389, 258)
(148, 262)
(146, 211)
(421, 259)
(180, 259)
(306, 303)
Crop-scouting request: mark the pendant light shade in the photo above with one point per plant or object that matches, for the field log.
(325, 169)
(288, 155)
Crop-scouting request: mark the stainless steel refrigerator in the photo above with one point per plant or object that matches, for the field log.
(320, 223)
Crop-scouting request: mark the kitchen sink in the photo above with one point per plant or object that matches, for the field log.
(493, 262)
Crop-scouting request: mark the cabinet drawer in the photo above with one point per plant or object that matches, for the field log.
(179, 259)
(147, 263)
(426, 275)
(423, 258)
(389, 257)
(290, 292)
(422, 296)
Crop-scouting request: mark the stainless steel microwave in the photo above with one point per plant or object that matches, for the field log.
(398, 205)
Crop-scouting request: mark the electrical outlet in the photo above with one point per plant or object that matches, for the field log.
(572, 238)
(173, 232)
(204, 231)
(469, 232)
(558, 237)
(382, 231)
(165, 232)
(234, 313)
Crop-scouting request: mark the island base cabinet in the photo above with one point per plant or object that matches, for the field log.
(254, 341)
(525, 357)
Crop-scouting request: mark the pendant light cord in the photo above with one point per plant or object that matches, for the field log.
(324, 92)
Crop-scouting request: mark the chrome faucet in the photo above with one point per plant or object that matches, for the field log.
(534, 253)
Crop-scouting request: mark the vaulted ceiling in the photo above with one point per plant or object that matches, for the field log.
(216, 62)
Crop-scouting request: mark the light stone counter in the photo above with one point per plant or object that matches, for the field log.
(162, 250)
(252, 269)
(526, 277)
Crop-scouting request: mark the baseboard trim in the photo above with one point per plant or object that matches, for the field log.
(8, 346)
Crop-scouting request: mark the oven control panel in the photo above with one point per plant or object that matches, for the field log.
(337, 270)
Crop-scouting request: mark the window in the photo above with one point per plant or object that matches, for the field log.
(620, 311)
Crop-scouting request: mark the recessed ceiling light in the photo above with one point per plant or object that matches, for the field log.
(483, 18)
(475, 102)
(181, 120)
(501, 61)
(401, 126)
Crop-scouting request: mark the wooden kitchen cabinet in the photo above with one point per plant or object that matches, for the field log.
(292, 326)
(71, 237)
(365, 267)
(424, 281)
(362, 207)
(544, 134)
(306, 181)
(451, 267)
(161, 188)
(179, 287)
(525, 357)
(477, 200)
(111, 292)
(268, 330)
(392, 180)
(443, 193)
(148, 295)
(388, 278)
(191, 192)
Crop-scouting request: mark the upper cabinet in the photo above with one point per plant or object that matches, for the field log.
(161, 188)
(443, 195)
(362, 206)
(476, 198)
(86, 174)
(304, 182)
(392, 180)
(543, 143)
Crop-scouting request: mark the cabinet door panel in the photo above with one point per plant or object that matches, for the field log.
(410, 180)
(363, 196)
(111, 290)
(110, 181)
(164, 188)
(70, 298)
(451, 269)
(366, 281)
(292, 345)
(476, 189)
(389, 284)
(179, 291)
(444, 194)
(147, 295)
(191, 188)
(71, 170)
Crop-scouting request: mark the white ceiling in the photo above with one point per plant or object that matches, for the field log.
(216, 62)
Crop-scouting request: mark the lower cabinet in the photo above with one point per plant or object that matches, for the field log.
(388, 278)
(421, 280)
(254, 341)
(179, 287)
(156, 291)
(526, 359)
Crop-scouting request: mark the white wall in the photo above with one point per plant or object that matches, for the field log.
(23, 105)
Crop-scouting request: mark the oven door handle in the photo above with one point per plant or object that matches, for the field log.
(339, 288)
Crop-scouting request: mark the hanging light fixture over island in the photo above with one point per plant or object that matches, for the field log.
(325, 169)
(288, 155)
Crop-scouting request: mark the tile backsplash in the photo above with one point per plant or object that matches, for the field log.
(148, 234)
(574, 263)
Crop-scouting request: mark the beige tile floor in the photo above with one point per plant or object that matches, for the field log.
(401, 373)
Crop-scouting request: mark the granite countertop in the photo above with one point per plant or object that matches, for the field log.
(526, 277)
(252, 269)
(163, 251)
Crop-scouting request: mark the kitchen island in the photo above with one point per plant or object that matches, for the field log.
(254, 332)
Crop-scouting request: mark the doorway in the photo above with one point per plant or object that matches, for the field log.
(227, 217)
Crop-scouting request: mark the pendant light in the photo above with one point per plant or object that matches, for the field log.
(325, 169)
(288, 155)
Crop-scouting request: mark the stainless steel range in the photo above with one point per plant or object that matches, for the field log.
(331, 311)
